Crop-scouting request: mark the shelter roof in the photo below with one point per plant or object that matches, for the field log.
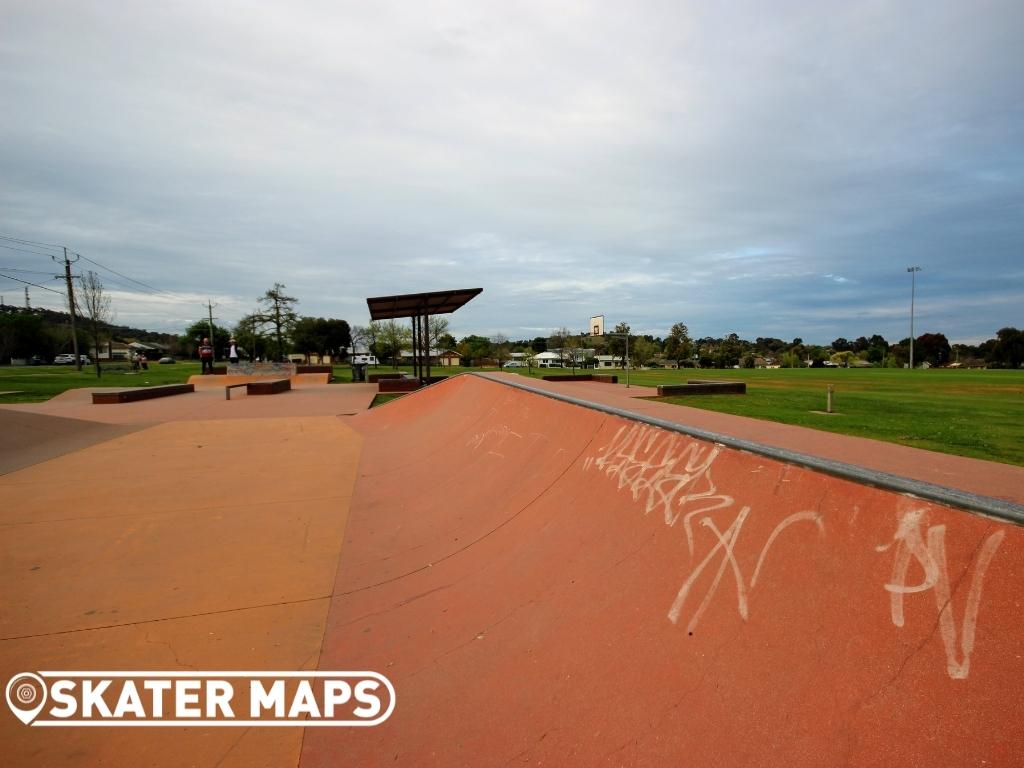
(414, 304)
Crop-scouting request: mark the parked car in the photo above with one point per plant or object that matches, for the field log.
(67, 359)
(166, 360)
(514, 364)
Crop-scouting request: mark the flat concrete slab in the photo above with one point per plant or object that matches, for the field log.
(208, 403)
(189, 545)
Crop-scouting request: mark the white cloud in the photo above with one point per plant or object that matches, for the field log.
(686, 161)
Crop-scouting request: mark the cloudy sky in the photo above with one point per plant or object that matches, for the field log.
(764, 168)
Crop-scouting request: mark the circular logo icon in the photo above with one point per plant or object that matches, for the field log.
(26, 695)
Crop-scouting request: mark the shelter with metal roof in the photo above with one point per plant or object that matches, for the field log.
(419, 307)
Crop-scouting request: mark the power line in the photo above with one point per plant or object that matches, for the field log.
(24, 271)
(29, 242)
(26, 282)
(36, 244)
(22, 250)
(129, 279)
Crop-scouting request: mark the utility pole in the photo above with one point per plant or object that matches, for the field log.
(28, 304)
(913, 275)
(71, 306)
(213, 340)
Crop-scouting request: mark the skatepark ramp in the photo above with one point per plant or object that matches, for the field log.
(546, 583)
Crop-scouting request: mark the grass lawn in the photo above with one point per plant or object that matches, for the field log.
(37, 383)
(968, 413)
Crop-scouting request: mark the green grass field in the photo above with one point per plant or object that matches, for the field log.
(967, 413)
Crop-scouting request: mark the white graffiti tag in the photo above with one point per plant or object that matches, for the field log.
(929, 551)
(672, 474)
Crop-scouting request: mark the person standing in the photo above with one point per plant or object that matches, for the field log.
(206, 356)
(233, 353)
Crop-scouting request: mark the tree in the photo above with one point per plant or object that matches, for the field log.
(474, 349)
(559, 340)
(843, 358)
(437, 334)
(499, 347)
(277, 310)
(366, 336)
(729, 351)
(21, 335)
(617, 344)
(248, 333)
(678, 345)
(1008, 349)
(325, 336)
(392, 338)
(200, 330)
(97, 312)
(933, 348)
(642, 350)
(574, 349)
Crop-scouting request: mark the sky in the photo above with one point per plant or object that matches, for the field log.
(765, 169)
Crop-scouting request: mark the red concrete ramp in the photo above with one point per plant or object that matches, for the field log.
(550, 584)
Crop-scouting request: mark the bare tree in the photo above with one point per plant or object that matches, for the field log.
(437, 327)
(97, 311)
(559, 340)
(277, 310)
(499, 343)
(574, 345)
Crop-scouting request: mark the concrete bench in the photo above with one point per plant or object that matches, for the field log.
(374, 378)
(398, 385)
(699, 387)
(604, 378)
(143, 393)
(229, 387)
(273, 387)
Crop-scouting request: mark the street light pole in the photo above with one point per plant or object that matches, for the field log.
(913, 279)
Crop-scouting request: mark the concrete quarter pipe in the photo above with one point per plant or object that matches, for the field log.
(550, 584)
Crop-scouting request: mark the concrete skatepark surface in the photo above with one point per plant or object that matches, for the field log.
(542, 583)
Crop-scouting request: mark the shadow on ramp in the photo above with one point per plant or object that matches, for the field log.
(546, 583)
(29, 438)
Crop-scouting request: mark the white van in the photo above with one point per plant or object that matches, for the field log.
(364, 360)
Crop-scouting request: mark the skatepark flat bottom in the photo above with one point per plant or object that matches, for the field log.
(542, 583)
(191, 533)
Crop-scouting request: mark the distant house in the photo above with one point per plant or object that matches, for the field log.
(448, 358)
(117, 350)
(112, 350)
(547, 360)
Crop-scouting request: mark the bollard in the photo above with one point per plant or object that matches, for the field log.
(828, 408)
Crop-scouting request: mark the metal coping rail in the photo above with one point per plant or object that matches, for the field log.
(951, 497)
